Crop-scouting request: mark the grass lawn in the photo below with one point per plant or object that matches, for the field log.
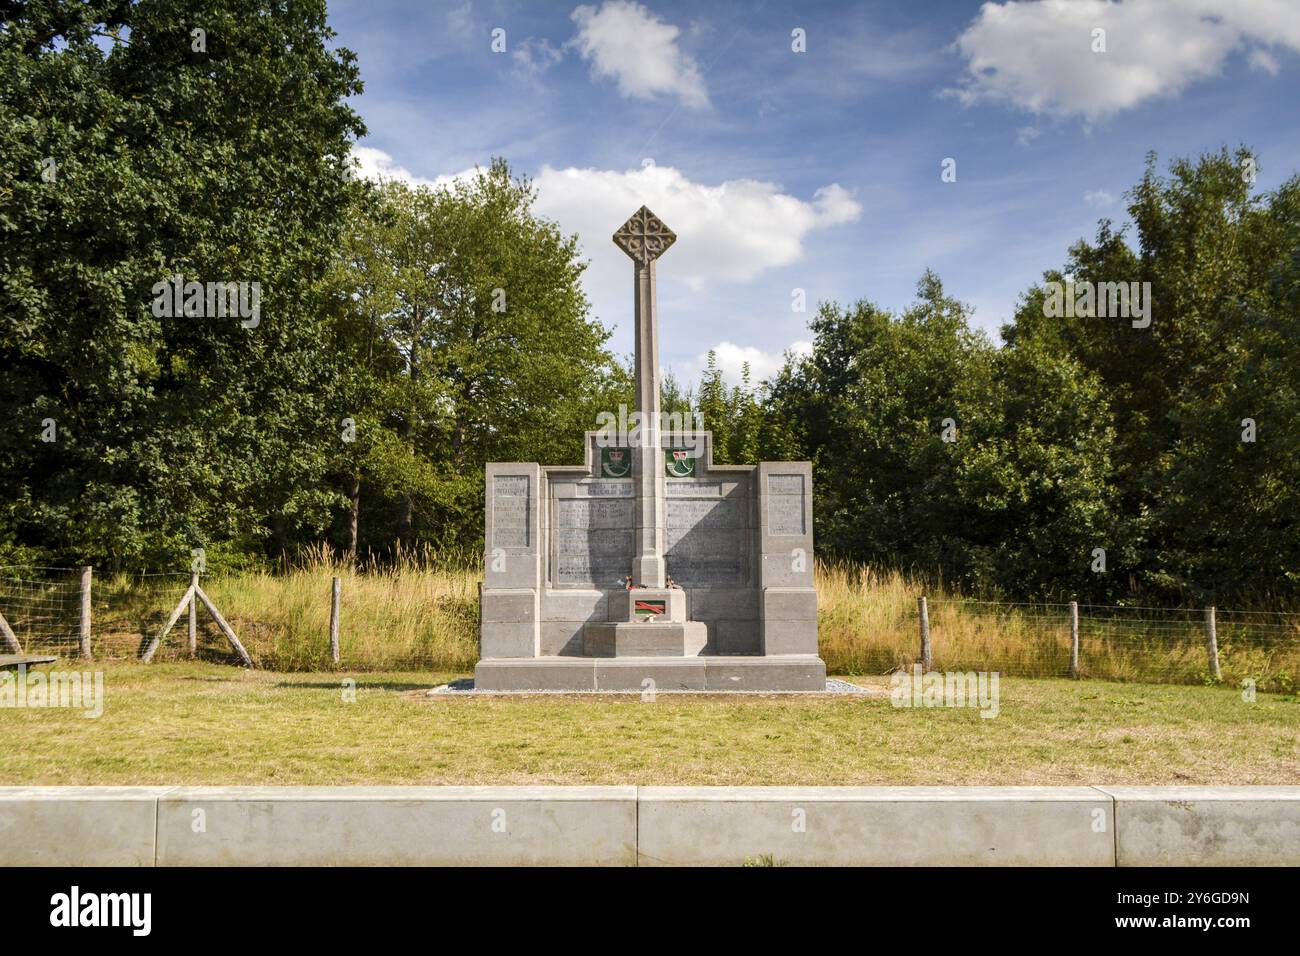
(194, 723)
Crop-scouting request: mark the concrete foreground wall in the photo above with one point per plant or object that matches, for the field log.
(887, 826)
(1225, 826)
(624, 826)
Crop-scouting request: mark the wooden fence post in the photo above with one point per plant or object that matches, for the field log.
(334, 619)
(10, 639)
(926, 656)
(1212, 644)
(1074, 639)
(148, 649)
(194, 614)
(85, 612)
(224, 626)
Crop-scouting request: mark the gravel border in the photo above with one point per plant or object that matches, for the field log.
(465, 688)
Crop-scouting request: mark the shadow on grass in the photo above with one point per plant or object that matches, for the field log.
(362, 684)
(213, 678)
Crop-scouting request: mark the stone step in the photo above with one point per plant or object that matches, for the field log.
(793, 673)
(645, 639)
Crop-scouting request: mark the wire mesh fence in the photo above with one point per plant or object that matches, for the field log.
(42, 606)
(427, 619)
(127, 609)
(1154, 645)
(43, 609)
(390, 620)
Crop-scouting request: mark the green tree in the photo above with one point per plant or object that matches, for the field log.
(136, 150)
(466, 310)
(936, 452)
(1204, 512)
(869, 407)
(1033, 475)
(734, 415)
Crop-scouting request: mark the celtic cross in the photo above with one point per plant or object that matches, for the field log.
(645, 238)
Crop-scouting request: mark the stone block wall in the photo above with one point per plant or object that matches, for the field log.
(738, 539)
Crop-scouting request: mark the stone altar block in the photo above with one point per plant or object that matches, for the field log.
(648, 566)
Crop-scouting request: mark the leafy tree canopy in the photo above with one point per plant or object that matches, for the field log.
(137, 149)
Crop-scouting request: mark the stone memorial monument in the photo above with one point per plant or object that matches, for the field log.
(648, 567)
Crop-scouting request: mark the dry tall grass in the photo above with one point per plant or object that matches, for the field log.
(423, 613)
(396, 618)
(869, 623)
(414, 615)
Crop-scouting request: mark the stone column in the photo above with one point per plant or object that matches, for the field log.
(647, 455)
(509, 616)
(789, 599)
(644, 238)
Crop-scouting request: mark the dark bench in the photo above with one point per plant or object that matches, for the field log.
(20, 660)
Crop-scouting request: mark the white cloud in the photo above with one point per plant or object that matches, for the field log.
(534, 57)
(835, 206)
(627, 42)
(460, 21)
(1039, 55)
(377, 165)
(726, 233)
(731, 231)
(1099, 198)
(731, 359)
(1264, 62)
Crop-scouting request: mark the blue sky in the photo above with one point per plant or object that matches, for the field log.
(821, 170)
